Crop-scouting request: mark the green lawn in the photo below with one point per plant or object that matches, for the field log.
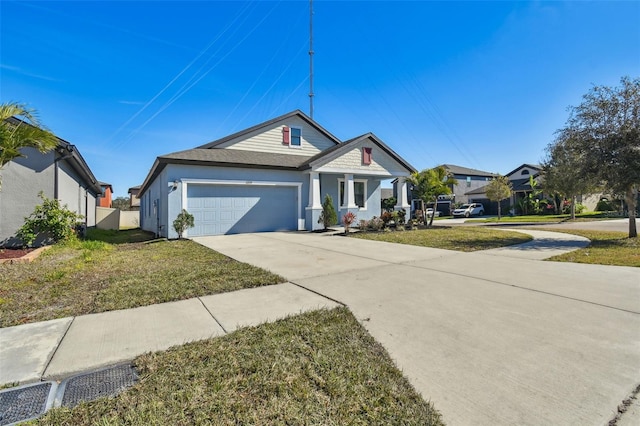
(319, 368)
(461, 238)
(606, 248)
(93, 276)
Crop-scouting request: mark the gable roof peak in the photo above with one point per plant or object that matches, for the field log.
(295, 113)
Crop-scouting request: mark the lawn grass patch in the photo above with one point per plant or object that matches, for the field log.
(92, 276)
(460, 238)
(605, 248)
(555, 218)
(112, 236)
(319, 368)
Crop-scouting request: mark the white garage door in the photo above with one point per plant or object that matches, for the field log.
(233, 209)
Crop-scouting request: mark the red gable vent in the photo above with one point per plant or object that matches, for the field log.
(286, 135)
(366, 155)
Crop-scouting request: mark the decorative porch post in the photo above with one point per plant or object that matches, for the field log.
(402, 202)
(349, 198)
(349, 192)
(314, 209)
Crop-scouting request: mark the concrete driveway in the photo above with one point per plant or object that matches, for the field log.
(490, 339)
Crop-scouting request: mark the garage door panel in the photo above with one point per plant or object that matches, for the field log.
(229, 209)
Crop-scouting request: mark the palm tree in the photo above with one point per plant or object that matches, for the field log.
(21, 128)
(429, 184)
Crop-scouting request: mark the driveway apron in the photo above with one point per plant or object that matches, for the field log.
(489, 339)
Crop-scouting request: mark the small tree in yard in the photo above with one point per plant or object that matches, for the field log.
(430, 183)
(50, 220)
(183, 221)
(328, 217)
(500, 188)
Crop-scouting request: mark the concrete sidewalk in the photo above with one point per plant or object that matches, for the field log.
(60, 348)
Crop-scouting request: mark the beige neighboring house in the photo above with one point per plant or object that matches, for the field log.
(134, 201)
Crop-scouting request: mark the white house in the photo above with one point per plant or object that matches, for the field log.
(270, 177)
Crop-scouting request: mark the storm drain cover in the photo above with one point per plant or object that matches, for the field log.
(90, 386)
(23, 403)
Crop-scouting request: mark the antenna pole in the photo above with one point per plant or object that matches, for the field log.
(311, 58)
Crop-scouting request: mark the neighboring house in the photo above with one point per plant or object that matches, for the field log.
(105, 198)
(270, 177)
(61, 173)
(468, 180)
(519, 178)
(386, 193)
(134, 201)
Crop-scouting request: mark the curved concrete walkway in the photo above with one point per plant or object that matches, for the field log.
(494, 337)
(544, 245)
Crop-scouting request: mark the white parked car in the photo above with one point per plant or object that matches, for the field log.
(467, 210)
(430, 212)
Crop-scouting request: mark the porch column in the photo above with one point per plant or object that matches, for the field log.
(401, 191)
(314, 209)
(349, 192)
(314, 191)
(402, 202)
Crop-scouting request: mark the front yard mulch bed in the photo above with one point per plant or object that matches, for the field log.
(319, 368)
(14, 253)
(94, 276)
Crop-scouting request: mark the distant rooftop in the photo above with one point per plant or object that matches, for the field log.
(459, 170)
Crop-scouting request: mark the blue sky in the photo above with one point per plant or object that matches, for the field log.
(477, 84)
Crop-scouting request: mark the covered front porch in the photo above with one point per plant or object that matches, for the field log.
(350, 192)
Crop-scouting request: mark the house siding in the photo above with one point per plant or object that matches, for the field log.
(329, 185)
(173, 198)
(381, 162)
(22, 180)
(270, 140)
(73, 193)
(462, 187)
(153, 216)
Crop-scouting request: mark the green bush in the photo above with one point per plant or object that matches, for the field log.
(605, 206)
(328, 217)
(183, 221)
(49, 221)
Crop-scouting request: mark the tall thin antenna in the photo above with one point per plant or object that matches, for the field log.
(311, 58)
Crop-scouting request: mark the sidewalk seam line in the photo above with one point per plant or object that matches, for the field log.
(212, 316)
(46, 367)
(319, 294)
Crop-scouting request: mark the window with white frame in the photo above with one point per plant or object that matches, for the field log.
(296, 137)
(359, 190)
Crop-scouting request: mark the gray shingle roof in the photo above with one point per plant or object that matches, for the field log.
(235, 157)
(531, 166)
(459, 170)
